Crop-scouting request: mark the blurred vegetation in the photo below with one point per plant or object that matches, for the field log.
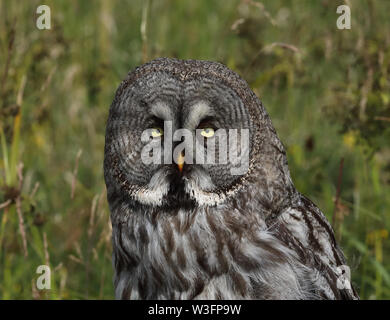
(327, 91)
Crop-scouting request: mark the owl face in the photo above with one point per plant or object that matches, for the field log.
(195, 128)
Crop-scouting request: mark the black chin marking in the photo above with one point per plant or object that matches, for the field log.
(176, 196)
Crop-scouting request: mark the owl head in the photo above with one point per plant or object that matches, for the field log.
(188, 131)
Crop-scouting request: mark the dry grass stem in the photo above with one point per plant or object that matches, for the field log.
(74, 179)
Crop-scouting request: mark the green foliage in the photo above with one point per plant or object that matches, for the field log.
(327, 91)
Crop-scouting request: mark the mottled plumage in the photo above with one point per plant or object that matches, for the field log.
(207, 234)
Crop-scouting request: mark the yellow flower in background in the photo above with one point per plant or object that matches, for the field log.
(376, 235)
(39, 140)
(385, 98)
(349, 139)
(384, 233)
(39, 137)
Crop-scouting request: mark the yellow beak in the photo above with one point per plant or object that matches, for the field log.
(180, 162)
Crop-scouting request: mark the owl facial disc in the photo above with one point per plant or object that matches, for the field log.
(178, 134)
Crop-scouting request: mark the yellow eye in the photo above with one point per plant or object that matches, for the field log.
(157, 132)
(207, 132)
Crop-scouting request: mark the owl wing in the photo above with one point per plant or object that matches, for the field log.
(305, 229)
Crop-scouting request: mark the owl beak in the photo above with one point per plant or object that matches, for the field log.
(180, 162)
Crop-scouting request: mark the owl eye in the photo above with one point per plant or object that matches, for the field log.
(207, 132)
(157, 132)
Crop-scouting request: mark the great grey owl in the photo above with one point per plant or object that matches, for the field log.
(196, 231)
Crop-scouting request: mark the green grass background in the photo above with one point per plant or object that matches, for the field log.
(327, 91)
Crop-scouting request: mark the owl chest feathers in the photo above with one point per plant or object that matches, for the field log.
(203, 253)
